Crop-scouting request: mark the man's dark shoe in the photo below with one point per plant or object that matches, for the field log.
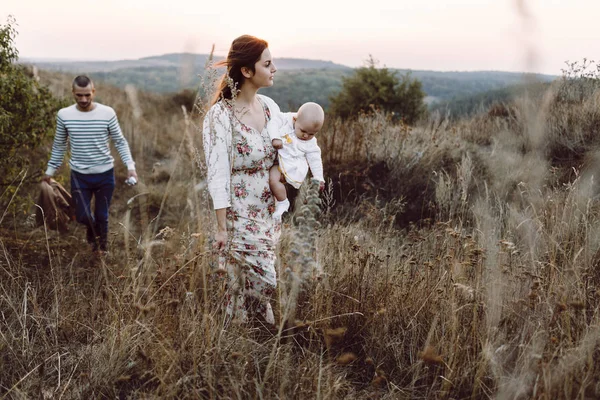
(91, 239)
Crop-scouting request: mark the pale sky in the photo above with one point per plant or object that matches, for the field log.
(444, 35)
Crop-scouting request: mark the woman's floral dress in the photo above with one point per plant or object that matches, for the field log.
(238, 159)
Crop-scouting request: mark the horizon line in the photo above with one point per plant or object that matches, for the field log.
(75, 60)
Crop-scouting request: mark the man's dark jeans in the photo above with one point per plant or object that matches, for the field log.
(101, 187)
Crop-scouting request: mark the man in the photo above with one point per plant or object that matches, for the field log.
(88, 126)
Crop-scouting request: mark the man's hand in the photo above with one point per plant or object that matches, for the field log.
(132, 173)
(46, 178)
(278, 143)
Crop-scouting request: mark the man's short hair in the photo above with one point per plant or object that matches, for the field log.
(82, 81)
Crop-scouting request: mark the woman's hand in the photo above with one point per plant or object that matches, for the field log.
(220, 240)
(219, 245)
(277, 143)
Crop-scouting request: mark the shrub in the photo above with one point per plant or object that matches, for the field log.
(26, 111)
(379, 88)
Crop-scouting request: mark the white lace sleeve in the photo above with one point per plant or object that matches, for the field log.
(313, 157)
(216, 135)
(279, 120)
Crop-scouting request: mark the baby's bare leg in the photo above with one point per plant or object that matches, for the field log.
(277, 187)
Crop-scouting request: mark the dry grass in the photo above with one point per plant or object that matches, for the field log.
(458, 261)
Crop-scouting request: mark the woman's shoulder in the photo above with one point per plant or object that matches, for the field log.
(268, 101)
(219, 106)
(218, 109)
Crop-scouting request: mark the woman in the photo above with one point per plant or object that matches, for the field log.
(239, 153)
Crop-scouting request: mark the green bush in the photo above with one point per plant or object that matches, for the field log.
(27, 112)
(379, 88)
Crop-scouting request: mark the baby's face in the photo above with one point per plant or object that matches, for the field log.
(305, 128)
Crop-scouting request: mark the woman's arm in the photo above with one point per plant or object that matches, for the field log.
(279, 122)
(216, 134)
(221, 235)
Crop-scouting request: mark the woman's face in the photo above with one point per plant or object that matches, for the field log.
(264, 69)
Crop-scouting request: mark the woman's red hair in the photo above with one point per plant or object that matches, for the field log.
(245, 51)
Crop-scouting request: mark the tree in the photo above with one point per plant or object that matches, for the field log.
(380, 88)
(27, 110)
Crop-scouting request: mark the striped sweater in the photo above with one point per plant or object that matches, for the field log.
(88, 134)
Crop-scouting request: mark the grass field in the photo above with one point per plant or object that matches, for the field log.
(453, 260)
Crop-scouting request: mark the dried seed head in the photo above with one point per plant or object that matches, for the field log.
(560, 307)
(379, 381)
(466, 291)
(346, 358)
(578, 305)
(334, 335)
(301, 324)
(430, 356)
(144, 308)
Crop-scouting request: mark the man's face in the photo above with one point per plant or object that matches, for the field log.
(84, 96)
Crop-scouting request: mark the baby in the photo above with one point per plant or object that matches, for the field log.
(298, 150)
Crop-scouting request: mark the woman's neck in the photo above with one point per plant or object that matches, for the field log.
(246, 96)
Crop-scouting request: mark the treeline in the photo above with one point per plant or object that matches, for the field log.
(293, 87)
(469, 105)
(445, 86)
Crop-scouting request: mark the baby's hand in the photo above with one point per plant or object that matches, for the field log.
(278, 143)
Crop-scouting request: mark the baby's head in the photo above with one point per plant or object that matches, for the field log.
(308, 121)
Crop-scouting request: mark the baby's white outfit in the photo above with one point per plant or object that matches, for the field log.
(297, 156)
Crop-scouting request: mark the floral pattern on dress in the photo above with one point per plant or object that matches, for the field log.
(253, 210)
(266, 196)
(252, 226)
(232, 215)
(243, 148)
(239, 189)
(253, 233)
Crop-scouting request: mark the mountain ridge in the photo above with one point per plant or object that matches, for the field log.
(199, 59)
(168, 60)
(298, 80)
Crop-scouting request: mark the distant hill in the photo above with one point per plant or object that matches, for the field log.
(298, 80)
(442, 86)
(173, 60)
(470, 105)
